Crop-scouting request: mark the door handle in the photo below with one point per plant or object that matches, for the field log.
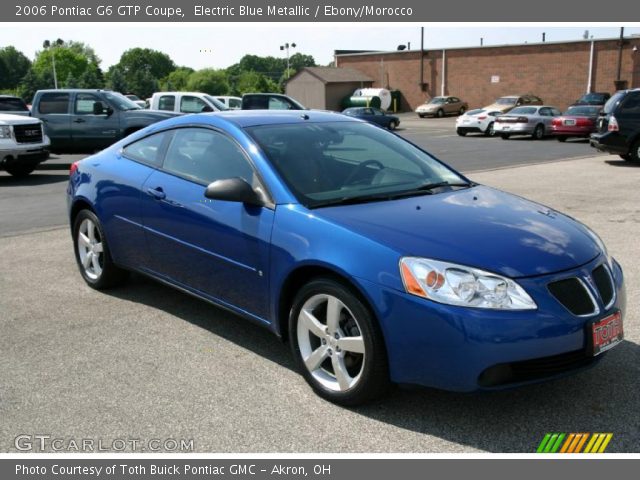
(157, 193)
(79, 120)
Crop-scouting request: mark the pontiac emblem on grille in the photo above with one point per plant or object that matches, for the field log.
(591, 283)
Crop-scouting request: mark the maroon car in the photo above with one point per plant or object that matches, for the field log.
(577, 121)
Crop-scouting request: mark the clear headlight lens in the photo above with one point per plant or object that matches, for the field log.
(5, 132)
(454, 284)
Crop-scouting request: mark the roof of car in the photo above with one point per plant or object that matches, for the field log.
(251, 118)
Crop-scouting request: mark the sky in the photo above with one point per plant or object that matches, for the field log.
(221, 45)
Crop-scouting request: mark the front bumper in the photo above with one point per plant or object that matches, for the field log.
(24, 153)
(456, 348)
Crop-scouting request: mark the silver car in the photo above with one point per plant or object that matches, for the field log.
(534, 120)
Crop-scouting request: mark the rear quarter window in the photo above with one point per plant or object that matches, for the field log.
(54, 103)
(613, 102)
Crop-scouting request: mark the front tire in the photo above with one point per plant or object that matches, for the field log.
(461, 111)
(421, 115)
(504, 136)
(490, 131)
(393, 125)
(440, 113)
(461, 133)
(538, 132)
(92, 253)
(20, 171)
(337, 344)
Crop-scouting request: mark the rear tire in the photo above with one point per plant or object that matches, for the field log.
(20, 171)
(341, 355)
(393, 125)
(462, 133)
(504, 136)
(421, 115)
(634, 153)
(462, 110)
(92, 253)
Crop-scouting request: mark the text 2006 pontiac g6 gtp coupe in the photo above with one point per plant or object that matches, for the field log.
(379, 263)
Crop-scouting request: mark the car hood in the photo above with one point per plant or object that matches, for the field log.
(151, 114)
(480, 227)
(11, 119)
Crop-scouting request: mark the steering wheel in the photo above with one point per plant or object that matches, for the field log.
(360, 168)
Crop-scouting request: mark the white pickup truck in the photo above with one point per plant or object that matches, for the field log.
(23, 144)
(185, 102)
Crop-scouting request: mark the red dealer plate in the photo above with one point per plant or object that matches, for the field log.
(606, 333)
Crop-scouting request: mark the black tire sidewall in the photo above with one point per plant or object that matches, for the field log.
(375, 377)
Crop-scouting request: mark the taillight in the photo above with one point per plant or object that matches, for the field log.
(522, 120)
(482, 117)
(556, 122)
(613, 124)
(73, 168)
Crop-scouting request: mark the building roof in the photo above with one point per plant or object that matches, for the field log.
(335, 75)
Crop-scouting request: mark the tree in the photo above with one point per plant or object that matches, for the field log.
(71, 82)
(14, 65)
(115, 80)
(158, 64)
(298, 61)
(142, 83)
(91, 78)
(33, 82)
(71, 59)
(177, 80)
(253, 82)
(208, 80)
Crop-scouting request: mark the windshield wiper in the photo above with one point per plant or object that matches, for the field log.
(425, 189)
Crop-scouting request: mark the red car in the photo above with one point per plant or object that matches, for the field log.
(577, 121)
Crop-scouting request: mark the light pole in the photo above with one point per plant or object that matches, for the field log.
(286, 47)
(47, 44)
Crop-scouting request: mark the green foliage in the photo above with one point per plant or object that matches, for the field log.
(32, 82)
(253, 82)
(141, 83)
(14, 65)
(208, 80)
(158, 64)
(177, 80)
(72, 59)
(115, 81)
(91, 78)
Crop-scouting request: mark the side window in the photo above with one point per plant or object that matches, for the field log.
(455, 100)
(54, 103)
(555, 112)
(204, 156)
(277, 104)
(545, 112)
(631, 105)
(167, 102)
(192, 105)
(86, 103)
(235, 103)
(378, 112)
(148, 150)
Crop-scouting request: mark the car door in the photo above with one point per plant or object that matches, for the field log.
(94, 124)
(216, 248)
(53, 109)
(380, 117)
(545, 115)
(451, 106)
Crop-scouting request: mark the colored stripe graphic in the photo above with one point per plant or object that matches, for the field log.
(573, 442)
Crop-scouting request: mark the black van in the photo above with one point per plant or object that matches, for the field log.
(619, 126)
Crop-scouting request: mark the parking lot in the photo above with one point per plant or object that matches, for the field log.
(146, 362)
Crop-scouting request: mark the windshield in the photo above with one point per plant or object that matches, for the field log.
(593, 98)
(120, 101)
(475, 112)
(523, 111)
(613, 102)
(132, 97)
(327, 162)
(438, 100)
(218, 104)
(506, 101)
(583, 111)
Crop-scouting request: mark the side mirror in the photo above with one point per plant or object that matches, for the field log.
(109, 111)
(98, 109)
(234, 189)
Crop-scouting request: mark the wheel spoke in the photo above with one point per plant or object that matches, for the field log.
(340, 371)
(97, 248)
(86, 260)
(316, 358)
(334, 306)
(351, 344)
(91, 231)
(95, 262)
(311, 323)
(83, 240)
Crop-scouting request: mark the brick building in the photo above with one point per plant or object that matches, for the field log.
(558, 72)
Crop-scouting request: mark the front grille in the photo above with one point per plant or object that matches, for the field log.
(604, 284)
(573, 295)
(536, 369)
(30, 133)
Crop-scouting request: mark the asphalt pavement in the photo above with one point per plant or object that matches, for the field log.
(147, 362)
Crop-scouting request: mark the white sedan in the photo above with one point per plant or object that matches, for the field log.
(477, 121)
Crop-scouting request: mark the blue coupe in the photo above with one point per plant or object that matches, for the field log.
(379, 263)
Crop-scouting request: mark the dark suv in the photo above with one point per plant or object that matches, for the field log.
(269, 101)
(619, 126)
(79, 120)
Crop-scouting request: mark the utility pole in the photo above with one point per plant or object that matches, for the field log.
(286, 48)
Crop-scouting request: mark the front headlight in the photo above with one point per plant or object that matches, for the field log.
(454, 284)
(5, 132)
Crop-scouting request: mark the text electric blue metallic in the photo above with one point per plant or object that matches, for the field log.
(379, 263)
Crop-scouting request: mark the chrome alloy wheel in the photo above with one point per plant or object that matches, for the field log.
(331, 343)
(90, 249)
